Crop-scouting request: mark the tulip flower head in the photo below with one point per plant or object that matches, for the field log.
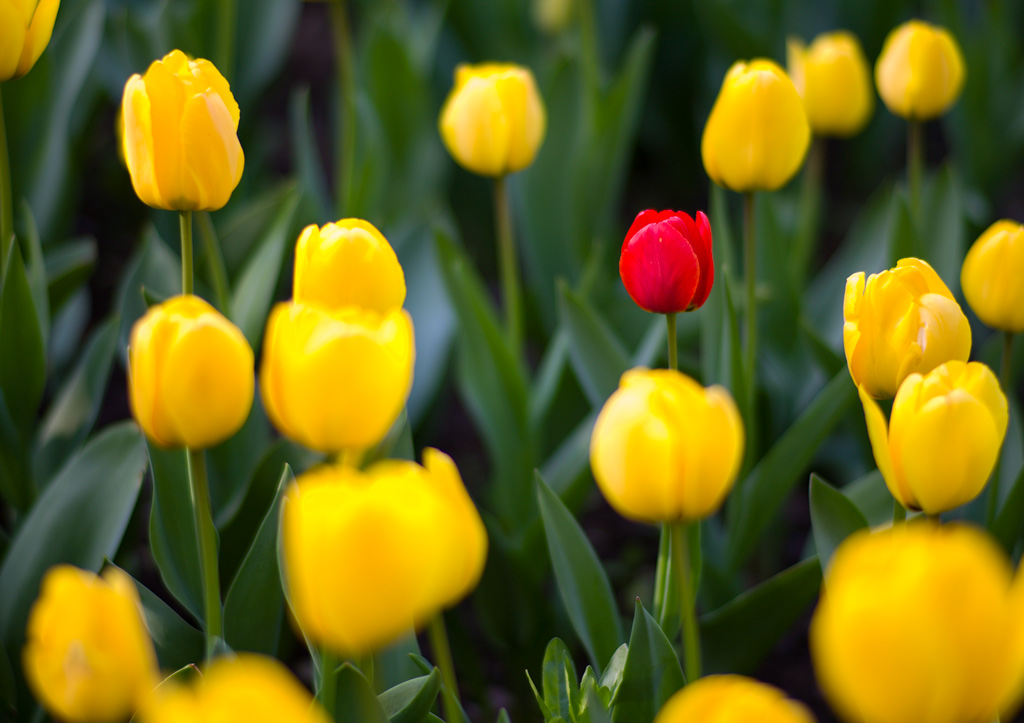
(25, 30)
(920, 71)
(833, 78)
(666, 262)
(732, 699)
(991, 276)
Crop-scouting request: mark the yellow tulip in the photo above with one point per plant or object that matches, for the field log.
(336, 380)
(244, 687)
(833, 78)
(180, 135)
(919, 624)
(551, 16)
(88, 657)
(732, 699)
(493, 120)
(348, 263)
(991, 276)
(664, 448)
(370, 555)
(757, 134)
(25, 30)
(900, 321)
(920, 72)
(190, 374)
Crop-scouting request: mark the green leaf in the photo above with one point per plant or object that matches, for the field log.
(185, 675)
(503, 716)
(833, 518)
(597, 356)
(266, 31)
(8, 690)
(68, 266)
(944, 228)
(612, 675)
(871, 497)
(36, 267)
(307, 154)
(1007, 527)
(154, 267)
(539, 698)
(558, 678)
(23, 351)
(392, 665)
(355, 699)
(650, 675)
(901, 237)
(411, 701)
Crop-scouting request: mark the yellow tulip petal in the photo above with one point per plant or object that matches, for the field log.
(213, 158)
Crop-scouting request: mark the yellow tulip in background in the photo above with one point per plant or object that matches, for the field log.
(664, 448)
(88, 656)
(732, 699)
(833, 78)
(757, 134)
(180, 135)
(190, 374)
(370, 555)
(900, 321)
(919, 624)
(25, 29)
(920, 71)
(992, 276)
(493, 120)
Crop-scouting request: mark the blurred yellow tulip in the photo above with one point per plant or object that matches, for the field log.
(991, 276)
(552, 16)
(25, 30)
(900, 321)
(757, 134)
(920, 71)
(372, 554)
(833, 78)
(732, 699)
(190, 374)
(180, 135)
(88, 657)
(664, 448)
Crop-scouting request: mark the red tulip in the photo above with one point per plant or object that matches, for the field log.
(666, 261)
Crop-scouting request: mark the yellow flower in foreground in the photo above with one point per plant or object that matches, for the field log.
(180, 135)
(190, 374)
(88, 657)
(919, 624)
(833, 78)
(732, 699)
(757, 134)
(665, 448)
(991, 276)
(493, 121)
(371, 554)
(900, 321)
(920, 72)
(25, 30)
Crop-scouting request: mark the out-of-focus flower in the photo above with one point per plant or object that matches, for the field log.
(25, 30)
(833, 78)
(552, 16)
(920, 72)
(732, 699)
(991, 276)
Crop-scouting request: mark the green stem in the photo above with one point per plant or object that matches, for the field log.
(687, 600)
(226, 22)
(218, 271)
(992, 507)
(750, 357)
(509, 267)
(327, 690)
(899, 512)
(345, 156)
(6, 204)
(811, 196)
(663, 607)
(206, 535)
(673, 349)
(185, 218)
(443, 653)
(588, 42)
(915, 168)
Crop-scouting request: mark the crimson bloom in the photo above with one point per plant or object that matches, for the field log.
(666, 262)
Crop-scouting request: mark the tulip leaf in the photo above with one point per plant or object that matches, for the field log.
(597, 356)
(266, 29)
(392, 665)
(68, 266)
(902, 241)
(355, 699)
(651, 673)
(944, 227)
(834, 517)
(232, 464)
(154, 267)
(503, 716)
(558, 678)
(1008, 524)
(307, 154)
(35, 267)
(593, 709)
(411, 701)
(23, 352)
(871, 497)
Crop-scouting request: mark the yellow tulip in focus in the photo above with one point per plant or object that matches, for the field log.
(348, 263)
(336, 380)
(180, 135)
(664, 448)
(991, 276)
(732, 699)
(919, 624)
(943, 438)
(833, 78)
(88, 657)
(372, 554)
(920, 71)
(493, 120)
(25, 30)
(898, 322)
(757, 134)
(190, 374)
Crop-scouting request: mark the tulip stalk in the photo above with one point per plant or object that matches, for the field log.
(327, 690)
(663, 604)
(218, 271)
(6, 205)
(509, 267)
(688, 600)
(1005, 381)
(345, 156)
(915, 168)
(750, 359)
(207, 539)
(226, 22)
(442, 651)
(185, 217)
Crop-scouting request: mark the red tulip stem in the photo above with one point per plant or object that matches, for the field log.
(750, 360)
(673, 350)
(915, 168)
(687, 600)
(509, 266)
(1006, 382)
(443, 655)
(186, 251)
(345, 155)
(6, 204)
(206, 537)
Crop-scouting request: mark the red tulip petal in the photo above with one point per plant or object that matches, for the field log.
(701, 242)
(659, 267)
(642, 219)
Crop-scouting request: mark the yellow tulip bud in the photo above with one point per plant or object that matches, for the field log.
(991, 276)
(666, 449)
(336, 380)
(493, 120)
(370, 555)
(348, 263)
(943, 438)
(25, 30)
(920, 72)
(898, 322)
(190, 374)
(757, 134)
(88, 657)
(732, 699)
(244, 687)
(180, 135)
(833, 79)
(919, 624)
(552, 16)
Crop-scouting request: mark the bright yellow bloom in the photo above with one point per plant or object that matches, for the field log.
(180, 135)
(757, 134)
(493, 120)
(732, 699)
(371, 554)
(920, 72)
(919, 624)
(190, 374)
(348, 263)
(25, 30)
(666, 449)
(900, 321)
(336, 380)
(833, 78)
(244, 687)
(991, 276)
(88, 657)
